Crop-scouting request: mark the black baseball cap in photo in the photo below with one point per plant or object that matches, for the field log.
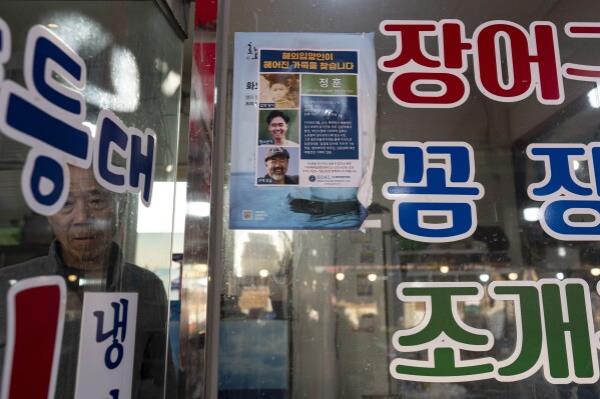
(274, 151)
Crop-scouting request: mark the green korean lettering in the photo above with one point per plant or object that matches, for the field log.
(529, 335)
(442, 319)
(577, 322)
(443, 334)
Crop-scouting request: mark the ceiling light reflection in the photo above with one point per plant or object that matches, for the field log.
(171, 83)
(594, 97)
(125, 77)
(531, 214)
(199, 209)
(84, 35)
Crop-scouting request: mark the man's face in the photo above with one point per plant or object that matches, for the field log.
(278, 129)
(84, 227)
(277, 168)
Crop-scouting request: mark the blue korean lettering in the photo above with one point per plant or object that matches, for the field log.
(139, 149)
(558, 162)
(435, 180)
(118, 333)
(114, 393)
(112, 134)
(141, 162)
(460, 161)
(412, 156)
(46, 168)
(41, 126)
(564, 195)
(556, 213)
(47, 116)
(109, 360)
(460, 214)
(46, 50)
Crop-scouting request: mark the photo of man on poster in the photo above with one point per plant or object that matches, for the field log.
(276, 164)
(277, 125)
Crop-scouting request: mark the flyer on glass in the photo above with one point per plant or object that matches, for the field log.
(303, 130)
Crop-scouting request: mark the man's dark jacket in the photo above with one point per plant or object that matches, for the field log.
(150, 342)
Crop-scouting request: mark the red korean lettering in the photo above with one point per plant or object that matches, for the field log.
(421, 80)
(532, 62)
(455, 45)
(589, 30)
(452, 89)
(409, 43)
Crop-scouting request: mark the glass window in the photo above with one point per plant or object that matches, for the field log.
(110, 245)
(313, 313)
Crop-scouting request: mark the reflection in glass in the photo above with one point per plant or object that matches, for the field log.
(93, 241)
(339, 288)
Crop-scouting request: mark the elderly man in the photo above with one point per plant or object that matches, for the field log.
(276, 163)
(85, 254)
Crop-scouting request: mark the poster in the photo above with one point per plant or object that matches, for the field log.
(303, 130)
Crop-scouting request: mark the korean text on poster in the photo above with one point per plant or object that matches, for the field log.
(301, 156)
(308, 132)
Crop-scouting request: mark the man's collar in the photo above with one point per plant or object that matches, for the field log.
(54, 253)
(114, 262)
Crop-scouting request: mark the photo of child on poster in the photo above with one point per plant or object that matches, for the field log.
(278, 90)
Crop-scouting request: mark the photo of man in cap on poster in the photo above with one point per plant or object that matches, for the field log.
(276, 165)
